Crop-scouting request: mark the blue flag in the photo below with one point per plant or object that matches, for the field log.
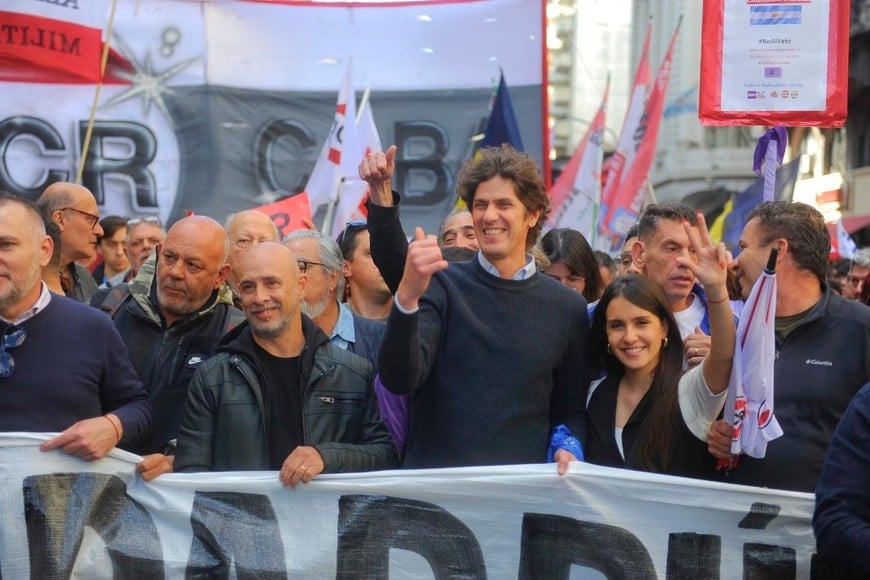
(745, 201)
(502, 125)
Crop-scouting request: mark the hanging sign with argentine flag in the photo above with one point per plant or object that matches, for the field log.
(774, 62)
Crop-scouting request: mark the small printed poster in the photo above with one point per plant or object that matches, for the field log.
(774, 62)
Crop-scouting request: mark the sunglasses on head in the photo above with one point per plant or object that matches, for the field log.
(349, 231)
(144, 219)
(13, 337)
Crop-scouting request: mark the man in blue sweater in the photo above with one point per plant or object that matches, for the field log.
(63, 366)
(493, 352)
(842, 517)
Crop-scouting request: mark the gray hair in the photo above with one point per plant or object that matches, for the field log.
(862, 258)
(328, 253)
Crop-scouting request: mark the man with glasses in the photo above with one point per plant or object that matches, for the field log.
(172, 322)
(624, 260)
(63, 366)
(320, 261)
(144, 233)
(74, 209)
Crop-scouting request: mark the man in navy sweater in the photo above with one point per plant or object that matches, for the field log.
(493, 352)
(63, 365)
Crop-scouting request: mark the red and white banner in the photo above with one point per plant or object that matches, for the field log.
(629, 137)
(353, 191)
(624, 208)
(64, 39)
(576, 195)
(774, 62)
(341, 152)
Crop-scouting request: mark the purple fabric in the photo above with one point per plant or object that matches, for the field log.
(770, 148)
(394, 413)
(777, 134)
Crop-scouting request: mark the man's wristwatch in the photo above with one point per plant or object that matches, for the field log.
(169, 448)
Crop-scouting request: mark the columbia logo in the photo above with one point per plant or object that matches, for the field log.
(195, 359)
(819, 363)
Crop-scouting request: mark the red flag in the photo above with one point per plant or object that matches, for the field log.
(576, 195)
(625, 206)
(288, 213)
(629, 138)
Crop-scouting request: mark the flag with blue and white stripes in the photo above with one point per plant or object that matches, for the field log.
(774, 14)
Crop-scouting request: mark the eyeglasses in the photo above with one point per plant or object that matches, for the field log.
(13, 337)
(304, 265)
(144, 219)
(91, 217)
(349, 232)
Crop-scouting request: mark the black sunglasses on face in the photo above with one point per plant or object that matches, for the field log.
(13, 337)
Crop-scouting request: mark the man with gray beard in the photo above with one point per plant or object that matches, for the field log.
(277, 395)
(320, 262)
(319, 259)
(172, 322)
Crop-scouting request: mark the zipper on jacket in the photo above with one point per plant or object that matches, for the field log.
(240, 367)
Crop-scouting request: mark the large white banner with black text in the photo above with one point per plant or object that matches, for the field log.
(62, 517)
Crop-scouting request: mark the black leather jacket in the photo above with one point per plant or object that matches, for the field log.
(165, 357)
(224, 424)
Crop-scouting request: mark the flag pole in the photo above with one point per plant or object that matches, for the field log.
(330, 208)
(362, 105)
(104, 59)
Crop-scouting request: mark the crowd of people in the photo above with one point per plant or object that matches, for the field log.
(210, 347)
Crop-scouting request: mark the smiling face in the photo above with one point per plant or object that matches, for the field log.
(502, 224)
(458, 231)
(634, 335)
(271, 290)
(657, 256)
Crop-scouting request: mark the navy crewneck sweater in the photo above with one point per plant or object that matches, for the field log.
(493, 364)
(72, 365)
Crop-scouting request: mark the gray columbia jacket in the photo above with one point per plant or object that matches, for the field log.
(224, 424)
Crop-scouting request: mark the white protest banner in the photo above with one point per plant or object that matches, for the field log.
(64, 518)
(774, 62)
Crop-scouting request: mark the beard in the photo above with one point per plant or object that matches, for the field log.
(312, 311)
(272, 329)
(18, 288)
